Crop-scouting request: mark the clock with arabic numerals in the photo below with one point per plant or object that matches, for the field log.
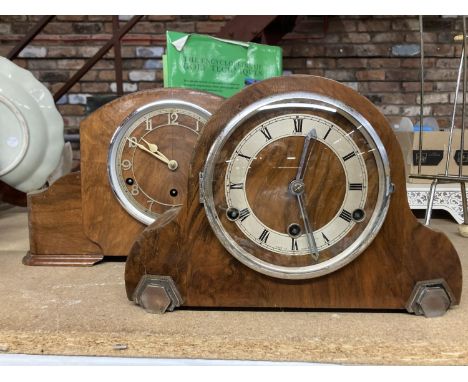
(135, 159)
(301, 204)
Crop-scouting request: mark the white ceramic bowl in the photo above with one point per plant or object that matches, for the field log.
(31, 129)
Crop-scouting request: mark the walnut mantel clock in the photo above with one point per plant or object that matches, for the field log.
(296, 199)
(135, 157)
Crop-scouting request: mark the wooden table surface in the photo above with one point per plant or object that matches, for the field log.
(84, 311)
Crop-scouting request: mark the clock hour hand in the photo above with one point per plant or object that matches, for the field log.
(306, 150)
(172, 164)
(162, 159)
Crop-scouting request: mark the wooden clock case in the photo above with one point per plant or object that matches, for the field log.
(187, 263)
(78, 220)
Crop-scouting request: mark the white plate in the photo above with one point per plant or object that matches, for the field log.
(31, 129)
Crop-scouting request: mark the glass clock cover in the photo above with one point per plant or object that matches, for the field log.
(296, 185)
(149, 157)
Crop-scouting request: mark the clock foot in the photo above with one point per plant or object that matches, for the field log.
(157, 294)
(430, 298)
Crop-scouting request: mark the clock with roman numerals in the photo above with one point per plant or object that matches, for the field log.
(296, 199)
(297, 185)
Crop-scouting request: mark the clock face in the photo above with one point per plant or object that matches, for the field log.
(149, 157)
(297, 185)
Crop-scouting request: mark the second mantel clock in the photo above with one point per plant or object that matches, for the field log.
(297, 199)
(135, 157)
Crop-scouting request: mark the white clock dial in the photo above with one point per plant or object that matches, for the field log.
(296, 185)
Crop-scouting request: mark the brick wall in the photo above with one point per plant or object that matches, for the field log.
(377, 56)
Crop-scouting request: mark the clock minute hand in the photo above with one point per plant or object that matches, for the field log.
(297, 187)
(309, 232)
(306, 150)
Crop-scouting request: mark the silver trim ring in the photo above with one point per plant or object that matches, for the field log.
(117, 137)
(294, 99)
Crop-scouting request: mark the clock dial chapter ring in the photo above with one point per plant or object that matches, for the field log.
(254, 251)
(148, 158)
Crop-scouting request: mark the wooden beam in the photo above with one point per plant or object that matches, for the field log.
(117, 56)
(99, 54)
(29, 37)
(245, 28)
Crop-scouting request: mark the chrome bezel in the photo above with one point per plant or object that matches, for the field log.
(120, 133)
(310, 101)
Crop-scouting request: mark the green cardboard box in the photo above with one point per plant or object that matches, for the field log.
(215, 65)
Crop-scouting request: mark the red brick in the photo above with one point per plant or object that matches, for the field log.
(340, 75)
(448, 63)
(441, 74)
(161, 18)
(370, 75)
(70, 64)
(41, 64)
(386, 37)
(399, 98)
(148, 85)
(294, 63)
(438, 50)
(358, 50)
(402, 75)
(442, 109)
(384, 62)
(62, 51)
(58, 85)
(92, 75)
(58, 28)
(94, 87)
(373, 25)
(384, 86)
(71, 18)
(434, 98)
(415, 37)
(148, 27)
(356, 38)
(390, 109)
(220, 18)
(321, 63)
(408, 23)
(352, 63)
(187, 27)
(341, 25)
(70, 109)
(312, 72)
(306, 50)
(208, 27)
(416, 86)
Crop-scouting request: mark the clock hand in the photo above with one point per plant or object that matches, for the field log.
(154, 148)
(164, 160)
(297, 187)
(306, 150)
(171, 163)
(309, 231)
